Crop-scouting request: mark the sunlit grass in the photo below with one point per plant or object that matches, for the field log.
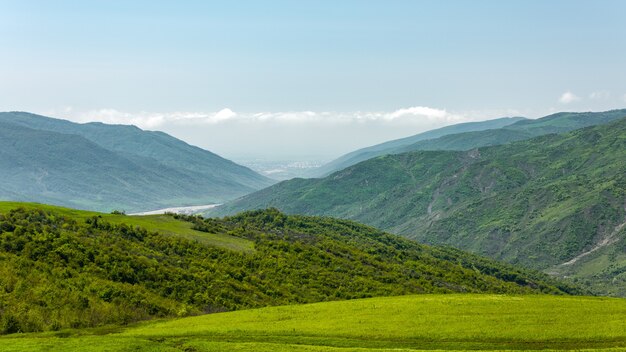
(407, 323)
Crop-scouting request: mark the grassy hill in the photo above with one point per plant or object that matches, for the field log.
(555, 203)
(405, 323)
(103, 167)
(476, 134)
(63, 268)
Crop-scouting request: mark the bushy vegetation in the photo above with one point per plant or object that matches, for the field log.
(455, 322)
(59, 271)
(538, 203)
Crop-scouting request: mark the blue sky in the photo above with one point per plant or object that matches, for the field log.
(206, 71)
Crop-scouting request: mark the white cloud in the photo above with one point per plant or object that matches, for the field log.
(421, 111)
(222, 115)
(291, 133)
(624, 97)
(600, 95)
(416, 115)
(568, 97)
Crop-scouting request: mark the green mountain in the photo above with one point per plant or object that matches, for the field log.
(476, 134)
(392, 147)
(64, 268)
(555, 202)
(103, 167)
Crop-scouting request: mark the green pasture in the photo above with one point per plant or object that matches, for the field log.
(405, 323)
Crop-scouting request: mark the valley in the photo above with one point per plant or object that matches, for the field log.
(538, 203)
(342, 176)
(265, 277)
(189, 210)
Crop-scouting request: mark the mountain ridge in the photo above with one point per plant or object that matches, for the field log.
(152, 169)
(392, 146)
(477, 134)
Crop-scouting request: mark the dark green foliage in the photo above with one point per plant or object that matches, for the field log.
(104, 167)
(56, 272)
(539, 203)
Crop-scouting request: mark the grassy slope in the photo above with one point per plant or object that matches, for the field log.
(105, 167)
(406, 323)
(538, 203)
(63, 268)
(163, 224)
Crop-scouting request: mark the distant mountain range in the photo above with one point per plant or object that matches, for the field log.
(394, 146)
(103, 167)
(471, 135)
(556, 202)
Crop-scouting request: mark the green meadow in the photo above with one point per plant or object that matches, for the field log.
(405, 323)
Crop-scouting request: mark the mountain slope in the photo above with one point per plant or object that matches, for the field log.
(479, 134)
(61, 268)
(540, 203)
(101, 167)
(392, 147)
(557, 123)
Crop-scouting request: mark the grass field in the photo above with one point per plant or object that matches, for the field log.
(406, 323)
(159, 223)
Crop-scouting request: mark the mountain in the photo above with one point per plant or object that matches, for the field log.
(63, 268)
(392, 147)
(555, 203)
(103, 167)
(476, 134)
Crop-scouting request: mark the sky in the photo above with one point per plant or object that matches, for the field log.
(308, 79)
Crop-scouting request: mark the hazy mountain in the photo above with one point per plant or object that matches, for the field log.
(392, 147)
(475, 134)
(99, 166)
(542, 202)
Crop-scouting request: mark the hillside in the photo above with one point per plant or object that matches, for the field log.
(450, 322)
(554, 203)
(104, 167)
(64, 268)
(476, 134)
(392, 147)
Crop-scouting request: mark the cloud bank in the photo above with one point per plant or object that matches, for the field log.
(416, 115)
(287, 135)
